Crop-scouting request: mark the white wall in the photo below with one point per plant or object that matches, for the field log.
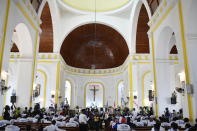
(168, 24)
(15, 17)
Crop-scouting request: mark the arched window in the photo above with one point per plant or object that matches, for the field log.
(68, 87)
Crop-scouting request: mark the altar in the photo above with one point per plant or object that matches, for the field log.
(94, 95)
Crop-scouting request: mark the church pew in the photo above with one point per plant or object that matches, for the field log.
(35, 126)
(146, 128)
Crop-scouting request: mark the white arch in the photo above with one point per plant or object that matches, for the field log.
(73, 90)
(134, 20)
(23, 40)
(54, 15)
(41, 8)
(163, 43)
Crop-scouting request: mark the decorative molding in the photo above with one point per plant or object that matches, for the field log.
(162, 11)
(48, 56)
(55, 57)
(29, 13)
(173, 57)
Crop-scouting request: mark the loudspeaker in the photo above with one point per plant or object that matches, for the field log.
(13, 99)
(150, 95)
(135, 97)
(190, 89)
(173, 100)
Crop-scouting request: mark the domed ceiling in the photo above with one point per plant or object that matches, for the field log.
(101, 5)
(94, 46)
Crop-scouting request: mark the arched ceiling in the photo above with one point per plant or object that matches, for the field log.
(46, 37)
(101, 5)
(94, 46)
(142, 41)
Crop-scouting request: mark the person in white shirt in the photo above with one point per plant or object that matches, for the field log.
(72, 123)
(138, 122)
(52, 127)
(12, 127)
(123, 126)
(151, 122)
(83, 120)
(134, 112)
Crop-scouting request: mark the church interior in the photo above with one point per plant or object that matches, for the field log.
(109, 55)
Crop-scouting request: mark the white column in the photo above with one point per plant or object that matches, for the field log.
(192, 61)
(24, 83)
(163, 86)
(3, 6)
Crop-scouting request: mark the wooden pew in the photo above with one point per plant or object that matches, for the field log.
(35, 126)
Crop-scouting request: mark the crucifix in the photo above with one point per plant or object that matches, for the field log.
(94, 90)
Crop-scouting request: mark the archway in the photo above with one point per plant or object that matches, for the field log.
(68, 92)
(147, 89)
(122, 101)
(20, 69)
(46, 37)
(12, 74)
(142, 40)
(141, 14)
(167, 47)
(94, 94)
(39, 89)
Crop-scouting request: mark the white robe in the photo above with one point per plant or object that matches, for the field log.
(12, 128)
(123, 127)
(52, 128)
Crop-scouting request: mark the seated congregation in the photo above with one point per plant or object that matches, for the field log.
(99, 119)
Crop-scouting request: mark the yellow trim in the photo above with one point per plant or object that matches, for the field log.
(162, 19)
(46, 61)
(70, 90)
(26, 15)
(99, 75)
(103, 10)
(143, 62)
(154, 73)
(45, 85)
(85, 92)
(2, 45)
(117, 104)
(57, 82)
(143, 90)
(131, 84)
(185, 57)
(153, 29)
(1, 117)
(34, 65)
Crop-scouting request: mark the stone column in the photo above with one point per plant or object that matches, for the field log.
(192, 61)
(24, 83)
